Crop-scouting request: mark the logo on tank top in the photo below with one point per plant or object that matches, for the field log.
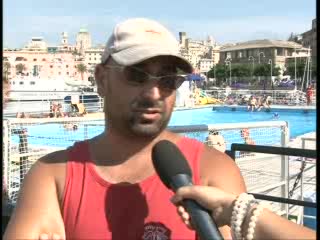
(156, 231)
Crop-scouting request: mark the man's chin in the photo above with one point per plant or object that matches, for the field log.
(146, 130)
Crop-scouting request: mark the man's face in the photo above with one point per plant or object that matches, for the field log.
(134, 104)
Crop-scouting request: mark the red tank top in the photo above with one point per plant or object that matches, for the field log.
(96, 209)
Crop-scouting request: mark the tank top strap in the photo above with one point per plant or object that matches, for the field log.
(79, 152)
(192, 150)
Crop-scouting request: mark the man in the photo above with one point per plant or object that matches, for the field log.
(106, 187)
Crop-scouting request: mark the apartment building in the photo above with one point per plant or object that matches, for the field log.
(262, 51)
(196, 50)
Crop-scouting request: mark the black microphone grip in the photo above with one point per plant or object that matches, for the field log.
(203, 223)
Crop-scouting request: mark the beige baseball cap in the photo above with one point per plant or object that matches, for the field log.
(138, 39)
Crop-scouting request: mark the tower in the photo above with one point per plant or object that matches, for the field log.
(64, 39)
(83, 40)
(182, 38)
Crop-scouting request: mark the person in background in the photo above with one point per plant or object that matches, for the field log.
(309, 94)
(245, 134)
(215, 140)
(251, 104)
(258, 222)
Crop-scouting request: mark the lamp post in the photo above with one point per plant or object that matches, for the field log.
(252, 58)
(228, 62)
(295, 67)
(259, 62)
(270, 62)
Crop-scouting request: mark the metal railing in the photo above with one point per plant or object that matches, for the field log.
(37, 104)
(288, 198)
(278, 97)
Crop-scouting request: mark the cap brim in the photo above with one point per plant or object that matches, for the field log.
(131, 56)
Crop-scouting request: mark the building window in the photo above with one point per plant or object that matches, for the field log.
(43, 59)
(280, 52)
(67, 66)
(67, 73)
(59, 73)
(21, 83)
(51, 66)
(32, 83)
(34, 59)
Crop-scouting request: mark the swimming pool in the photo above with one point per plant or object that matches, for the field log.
(300, 122)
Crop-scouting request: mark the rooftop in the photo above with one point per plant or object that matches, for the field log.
(265, 43)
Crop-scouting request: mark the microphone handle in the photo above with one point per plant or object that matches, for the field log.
(203, 223)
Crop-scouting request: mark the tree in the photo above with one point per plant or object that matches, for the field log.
(6, 70)
(81, 68)
(20, 68)
(219, 72)
(290, 69)
(294, 38)
(241, 70)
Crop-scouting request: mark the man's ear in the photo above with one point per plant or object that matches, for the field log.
(100, 77)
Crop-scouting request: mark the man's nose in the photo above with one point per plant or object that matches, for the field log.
(152, 91)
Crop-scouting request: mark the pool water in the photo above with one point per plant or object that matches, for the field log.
(54, 134)
(300, 122)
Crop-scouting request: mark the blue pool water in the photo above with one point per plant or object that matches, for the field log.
(299, 122)
(54, 134)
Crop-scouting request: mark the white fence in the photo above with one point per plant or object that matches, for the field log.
(26, 140)
(24, 101)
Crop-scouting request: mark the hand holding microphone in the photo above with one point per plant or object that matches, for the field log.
(174, 172)
(204, 208)
(219, 202)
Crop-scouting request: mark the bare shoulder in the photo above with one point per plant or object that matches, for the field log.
(56, 165)
(38, 209)
(219, 170)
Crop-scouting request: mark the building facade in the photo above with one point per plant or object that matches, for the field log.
(262, 51)
(42, 64)
(83, 41)
(309, 39)
(199, 52)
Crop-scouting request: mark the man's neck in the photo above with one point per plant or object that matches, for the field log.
(118, 148)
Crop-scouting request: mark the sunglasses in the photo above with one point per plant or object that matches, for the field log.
(137, 77)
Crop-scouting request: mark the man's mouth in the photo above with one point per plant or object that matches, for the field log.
(148, 114)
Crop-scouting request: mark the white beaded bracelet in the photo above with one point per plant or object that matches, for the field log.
(241, 206)
(253, 220)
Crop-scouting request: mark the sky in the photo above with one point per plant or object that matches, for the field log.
(227, 21)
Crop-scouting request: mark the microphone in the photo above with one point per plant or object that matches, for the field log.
(174, 171)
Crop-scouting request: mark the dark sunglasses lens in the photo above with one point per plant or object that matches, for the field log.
(135, 76)
(171, 82)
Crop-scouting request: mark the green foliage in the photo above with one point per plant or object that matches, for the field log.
(241, 70)
(81, 68)
(6, 69)
(20, 68)
(290, 69)
(265, 70)
(218, 71)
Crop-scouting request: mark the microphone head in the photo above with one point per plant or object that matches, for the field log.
(169, 161)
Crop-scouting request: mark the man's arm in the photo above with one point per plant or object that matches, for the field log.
(37, 210)
(219, 170)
